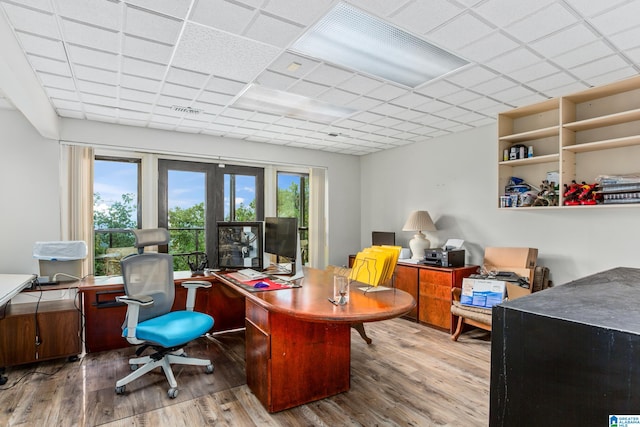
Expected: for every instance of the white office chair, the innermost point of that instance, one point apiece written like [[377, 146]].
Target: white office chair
[[149, 293]]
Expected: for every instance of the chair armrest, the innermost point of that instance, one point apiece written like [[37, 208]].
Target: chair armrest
[[192, 286], [456, 292], [134, 302], [140, 300]]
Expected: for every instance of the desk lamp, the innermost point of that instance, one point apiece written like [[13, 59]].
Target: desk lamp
[[419, 221]]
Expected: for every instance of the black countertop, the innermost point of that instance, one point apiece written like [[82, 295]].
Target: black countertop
[[609, 299]]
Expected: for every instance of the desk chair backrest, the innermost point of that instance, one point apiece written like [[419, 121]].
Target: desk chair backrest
[[148, 273]]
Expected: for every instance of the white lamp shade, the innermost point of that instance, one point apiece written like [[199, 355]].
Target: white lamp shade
[[419, 221]]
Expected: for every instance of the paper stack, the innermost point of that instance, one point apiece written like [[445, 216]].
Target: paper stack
[[375, 265]]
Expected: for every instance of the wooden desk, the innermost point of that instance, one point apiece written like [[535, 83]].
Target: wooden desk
[[36, 331], [298, 344], [104, 315]]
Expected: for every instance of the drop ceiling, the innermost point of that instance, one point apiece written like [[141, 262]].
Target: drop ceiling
[[133, 62]]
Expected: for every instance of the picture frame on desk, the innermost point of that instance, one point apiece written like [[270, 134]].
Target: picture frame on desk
[[240, 244]]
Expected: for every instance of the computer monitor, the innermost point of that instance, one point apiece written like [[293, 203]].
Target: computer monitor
[[379, 238], [281, 239], [239, 244]]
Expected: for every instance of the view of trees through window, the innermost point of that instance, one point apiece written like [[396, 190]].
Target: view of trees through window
[[293, 201], [116, 209]]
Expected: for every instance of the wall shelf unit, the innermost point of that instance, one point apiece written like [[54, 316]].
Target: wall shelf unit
[[580, 136]]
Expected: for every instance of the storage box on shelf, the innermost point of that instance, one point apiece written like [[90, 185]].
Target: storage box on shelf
[[582, 136]]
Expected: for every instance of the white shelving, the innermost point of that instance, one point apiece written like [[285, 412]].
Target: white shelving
[[564, 131]]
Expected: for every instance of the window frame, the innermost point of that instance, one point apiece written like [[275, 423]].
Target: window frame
[[214, 188]]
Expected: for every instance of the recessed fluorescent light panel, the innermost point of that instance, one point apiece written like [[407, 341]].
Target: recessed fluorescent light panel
[[349, 37], [263, 99]]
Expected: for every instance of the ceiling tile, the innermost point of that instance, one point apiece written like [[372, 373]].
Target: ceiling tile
[[592, 7], [304, 15], [214, 52], [459, 32], [308, 89], [48, 65], [105, 14], [176, 8], [471, 76], [275, 80], [542, 23], [70, 95], [56, 81], [187, 78], [364, 103], [328, 75], [41, 46], [86, 87], [95, 75], [338, 97], [513, 60], [534, 71], [137, 95], [488, 47], [146, 49], [505, 12], [423, 16], [615, 20], [301, 64], [387, 92], [381, 8], [410, 100], [106, 103], [583, 54], [564, 41], [553, 81], [273, 31], [599, 67], [141, 83], [215, 98], [438, 88], [143, 68], [90, 36], [152, 26], [96, 58], [627, 39], [223, 15], [38, 23], [610, 76], [172, 89]]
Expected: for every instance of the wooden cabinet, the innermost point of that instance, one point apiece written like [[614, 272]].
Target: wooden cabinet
[[406, 279], [579, 136], [431, 287], [434, 306], [52, 333]]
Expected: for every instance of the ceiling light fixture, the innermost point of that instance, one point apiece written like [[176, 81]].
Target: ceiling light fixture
[[268, 100], [349, 37]]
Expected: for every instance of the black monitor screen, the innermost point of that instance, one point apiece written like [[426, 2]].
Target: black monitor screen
[[281, 236], [383, 238]]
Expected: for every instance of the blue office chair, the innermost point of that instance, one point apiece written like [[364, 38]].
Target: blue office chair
[[149, 293]]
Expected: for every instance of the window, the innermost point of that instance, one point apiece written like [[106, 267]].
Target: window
[[293, 201], [193, 196], [116, 201]]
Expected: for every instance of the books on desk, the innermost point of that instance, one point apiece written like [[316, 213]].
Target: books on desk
[[247, 274], [375, 265]]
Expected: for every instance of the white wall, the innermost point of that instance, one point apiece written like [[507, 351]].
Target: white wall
[[455, 179], [30, 190]]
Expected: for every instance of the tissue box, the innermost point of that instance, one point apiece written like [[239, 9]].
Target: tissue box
[[482, 292]]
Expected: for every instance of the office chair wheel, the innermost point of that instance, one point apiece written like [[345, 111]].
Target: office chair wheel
[[172, 393], [133, 366], [121, 389], [3, 379], [209, 369]]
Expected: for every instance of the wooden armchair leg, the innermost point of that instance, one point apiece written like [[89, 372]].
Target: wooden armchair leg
[[360, 328], [458, 330]]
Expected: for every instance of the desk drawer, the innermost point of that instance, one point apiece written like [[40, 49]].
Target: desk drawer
[[258, 315]]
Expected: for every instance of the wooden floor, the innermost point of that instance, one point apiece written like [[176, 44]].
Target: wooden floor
[[411, 375]]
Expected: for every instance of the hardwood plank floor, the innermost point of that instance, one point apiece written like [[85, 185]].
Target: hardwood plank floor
[[411, 375]]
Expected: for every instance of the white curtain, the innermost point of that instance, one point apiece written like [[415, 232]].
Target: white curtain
[[318, 218], [76, 178]]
